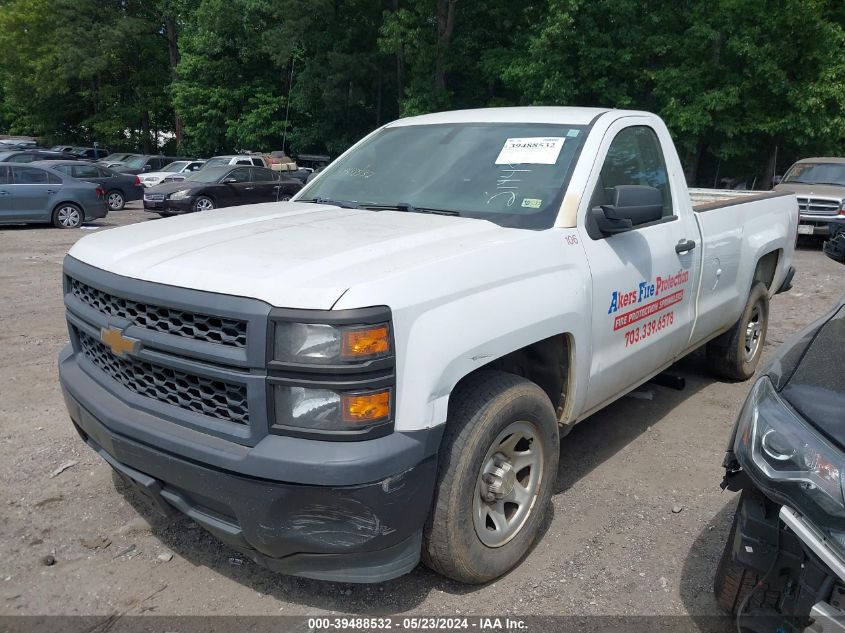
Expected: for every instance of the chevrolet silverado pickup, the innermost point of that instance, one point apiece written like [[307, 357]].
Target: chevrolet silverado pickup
[[380, 371]]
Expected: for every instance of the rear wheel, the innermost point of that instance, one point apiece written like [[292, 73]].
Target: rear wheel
[[115, 200], [203, 203], [736, 353], [497, 471], [67, 216]]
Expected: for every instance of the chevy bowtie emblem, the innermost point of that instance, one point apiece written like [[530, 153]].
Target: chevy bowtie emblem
[[120, 345]]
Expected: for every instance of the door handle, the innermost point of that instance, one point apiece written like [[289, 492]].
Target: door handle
[[4, 193], [51, 191], [684, 246]]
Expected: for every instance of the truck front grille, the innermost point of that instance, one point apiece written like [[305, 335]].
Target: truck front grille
[[200, 327], [819, 206], [214, 398]]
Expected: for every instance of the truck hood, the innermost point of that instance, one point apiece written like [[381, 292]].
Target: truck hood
[[816, 387], [825, 191], [296, 255]]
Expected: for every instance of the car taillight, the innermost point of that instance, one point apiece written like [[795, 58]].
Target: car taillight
[[137, 181], [842, 208], [101, 192]]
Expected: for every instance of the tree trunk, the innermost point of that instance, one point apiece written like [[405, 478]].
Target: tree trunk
[[445, 27], [691, 172], [771, 166], [173, 51], [400, 67]]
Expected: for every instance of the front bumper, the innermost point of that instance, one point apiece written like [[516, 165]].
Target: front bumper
[[341, 511], [814, 224]]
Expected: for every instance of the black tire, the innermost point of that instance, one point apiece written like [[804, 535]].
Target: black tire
[[728, 354], [203, 203], [481, 412], [115, 200], [734, 581], [67, 215]]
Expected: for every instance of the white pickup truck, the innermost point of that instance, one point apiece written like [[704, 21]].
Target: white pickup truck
[[381, 369]]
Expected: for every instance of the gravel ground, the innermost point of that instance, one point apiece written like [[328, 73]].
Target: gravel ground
[[613, 544]]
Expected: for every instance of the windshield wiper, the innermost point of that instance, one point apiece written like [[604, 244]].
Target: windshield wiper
[[343, 204], [406, 206]]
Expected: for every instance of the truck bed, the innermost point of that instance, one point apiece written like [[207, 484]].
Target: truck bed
[[708, 199]]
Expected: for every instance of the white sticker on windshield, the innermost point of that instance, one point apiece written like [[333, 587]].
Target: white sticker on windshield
[[533, 151]]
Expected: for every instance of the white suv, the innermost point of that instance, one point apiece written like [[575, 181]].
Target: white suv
[[177, 170]]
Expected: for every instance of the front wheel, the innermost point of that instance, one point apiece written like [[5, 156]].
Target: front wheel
[[67, 216], [498, 467], [203, 203], [115, 200]]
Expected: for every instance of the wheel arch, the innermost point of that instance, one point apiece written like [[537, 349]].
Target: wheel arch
[[547, 363]]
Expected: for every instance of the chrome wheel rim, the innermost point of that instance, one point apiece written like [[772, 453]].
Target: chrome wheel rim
[[507, 486], [204, 204], [753, 333], [69, 217], [115, 201]]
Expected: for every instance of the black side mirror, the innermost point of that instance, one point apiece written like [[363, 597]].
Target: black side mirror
[[632, 205], [228, 181]]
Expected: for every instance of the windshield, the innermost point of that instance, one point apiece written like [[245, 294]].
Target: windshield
[[217, 162], [817, 174], [135, 162], [206, 175], [512, 174], [179, 165]]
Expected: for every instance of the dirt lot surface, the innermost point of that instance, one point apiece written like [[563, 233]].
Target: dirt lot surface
[[613, 544]]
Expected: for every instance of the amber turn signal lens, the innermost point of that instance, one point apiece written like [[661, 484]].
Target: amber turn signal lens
[[366, 407], [362, 343]]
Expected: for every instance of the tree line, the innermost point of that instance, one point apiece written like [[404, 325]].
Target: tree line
[[745, 86]]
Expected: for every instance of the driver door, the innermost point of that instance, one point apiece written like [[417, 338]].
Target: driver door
[[237, 188], [642, 287]]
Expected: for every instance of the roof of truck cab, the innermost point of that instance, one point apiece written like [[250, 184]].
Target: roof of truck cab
[[530, 114]]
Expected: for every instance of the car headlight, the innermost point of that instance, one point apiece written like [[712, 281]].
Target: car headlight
[[332, 371], [180, 195], [797, 462]]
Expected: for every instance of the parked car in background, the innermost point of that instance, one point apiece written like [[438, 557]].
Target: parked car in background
[[90, 153], [819, 184], [784, 562], [29, 155], [141, 163], [119, 188], [30, 193], [177, 170], [18, 143], [224, 186], [62, 148], [236, 159]]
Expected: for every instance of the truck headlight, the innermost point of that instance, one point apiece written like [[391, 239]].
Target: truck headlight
[[180, 195], [331, 373], [322, 343], [330, 409], [797, 462]]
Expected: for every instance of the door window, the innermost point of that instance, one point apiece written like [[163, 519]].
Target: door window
[[65, 169], [634, 158], [262, 174], [85, 171], [239, 175], [242, 161], [23, 158], [258, 162], [4, 175], [29, 176]]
